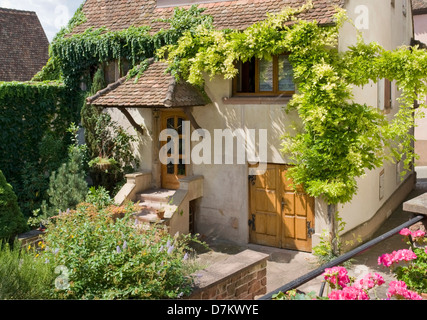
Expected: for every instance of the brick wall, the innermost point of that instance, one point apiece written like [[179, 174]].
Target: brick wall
[[240, 277]]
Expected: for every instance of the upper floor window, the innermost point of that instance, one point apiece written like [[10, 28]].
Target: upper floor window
[[264, 77], [113, 70]]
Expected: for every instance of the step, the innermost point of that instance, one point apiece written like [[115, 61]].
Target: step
[[156, 195]]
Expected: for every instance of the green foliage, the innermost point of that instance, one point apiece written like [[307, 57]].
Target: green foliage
[[99, 197], [22, 275], [330, 248], [34, 118], [52, 70], [12, 220], [67, 186], [112, 147], [340, 139], [90, 114], [106, 257], [295, 295], [414, 273]]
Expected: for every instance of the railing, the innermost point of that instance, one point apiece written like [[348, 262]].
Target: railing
[[317, 272]]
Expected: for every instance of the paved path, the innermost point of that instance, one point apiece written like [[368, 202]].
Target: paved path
[[284, 266]]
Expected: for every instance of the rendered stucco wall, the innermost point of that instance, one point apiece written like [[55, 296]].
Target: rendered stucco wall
[[222, 212], [420, 30], [391, 28]]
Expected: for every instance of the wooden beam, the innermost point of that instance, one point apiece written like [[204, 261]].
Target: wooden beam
[[190, 116], [131, 120]]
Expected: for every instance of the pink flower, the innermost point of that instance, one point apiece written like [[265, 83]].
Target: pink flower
[[349, 293], [396, 256], [405, 232], [336, 276], [418, 234], [398, 289], [369, 281]]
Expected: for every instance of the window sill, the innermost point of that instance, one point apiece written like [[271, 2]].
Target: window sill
[[256, 100]]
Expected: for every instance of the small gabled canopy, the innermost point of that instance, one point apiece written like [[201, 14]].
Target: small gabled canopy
[[154, 89], [419, 7]]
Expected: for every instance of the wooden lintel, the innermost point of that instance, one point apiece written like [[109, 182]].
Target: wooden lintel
[[131, 120]]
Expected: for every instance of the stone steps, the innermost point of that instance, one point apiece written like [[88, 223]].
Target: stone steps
[[154, 203]]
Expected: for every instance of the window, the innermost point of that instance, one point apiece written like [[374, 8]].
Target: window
[[385, 95], [264, 77], [113, 71]]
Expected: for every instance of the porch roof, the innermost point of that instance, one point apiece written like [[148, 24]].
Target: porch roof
[[154, 89], [419, 6]]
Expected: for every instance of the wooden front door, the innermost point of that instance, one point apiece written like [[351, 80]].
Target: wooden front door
[[279, 216], [172, 172]]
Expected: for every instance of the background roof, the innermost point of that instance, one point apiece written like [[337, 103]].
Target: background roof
[[24, 48]]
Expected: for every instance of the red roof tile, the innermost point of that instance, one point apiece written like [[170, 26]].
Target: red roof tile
[[154, 88], [24, 47], [233, 14]]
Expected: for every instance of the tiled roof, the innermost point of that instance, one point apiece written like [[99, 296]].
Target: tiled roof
[[233, 14], [419, 6], [154, 88], [24, 47]]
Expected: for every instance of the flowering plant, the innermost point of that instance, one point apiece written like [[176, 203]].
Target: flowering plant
[[347, 288], [409, 265], [107, 254]]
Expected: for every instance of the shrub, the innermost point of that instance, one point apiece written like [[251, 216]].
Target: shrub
[[12, 220], [105, 254], [99, 197], [22, 275]]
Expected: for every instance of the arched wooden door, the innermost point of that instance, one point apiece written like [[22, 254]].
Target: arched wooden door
[[279, 216], [172, 172]]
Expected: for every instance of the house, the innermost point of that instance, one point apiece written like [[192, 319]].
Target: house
[[223, 199], [24, 48], [419, 11]]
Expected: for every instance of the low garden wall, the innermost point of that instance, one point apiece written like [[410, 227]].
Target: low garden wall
[[240, 277]]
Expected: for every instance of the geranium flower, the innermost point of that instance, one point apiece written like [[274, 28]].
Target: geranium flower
[[349, 293], [398, 289], [405, 232], [396, 256], [418, 234], [337, 276], [369, 281]]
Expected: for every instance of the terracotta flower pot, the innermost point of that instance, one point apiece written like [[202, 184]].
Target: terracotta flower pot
[[424, 295], [161, 213]]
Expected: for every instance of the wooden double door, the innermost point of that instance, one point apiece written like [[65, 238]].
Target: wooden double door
[[279, 216]]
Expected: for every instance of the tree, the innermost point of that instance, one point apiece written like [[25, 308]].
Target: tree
[[12, 221], [67, 186]]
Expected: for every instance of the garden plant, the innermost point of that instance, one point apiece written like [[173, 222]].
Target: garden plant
[[409, 267], [102, 252]]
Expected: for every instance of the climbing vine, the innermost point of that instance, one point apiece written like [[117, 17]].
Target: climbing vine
[[35, 116], [340, 139]]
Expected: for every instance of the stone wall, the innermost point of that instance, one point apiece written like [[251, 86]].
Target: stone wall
[[240, 277]]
